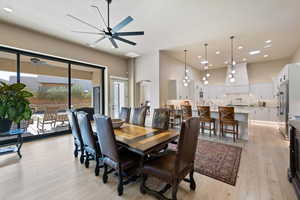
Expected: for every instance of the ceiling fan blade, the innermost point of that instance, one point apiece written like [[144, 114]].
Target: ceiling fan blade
[[97, 41], [90, 25], [124, 40], [102, 18], [129, 33], [122, 24], [93, 33], [113, 42]]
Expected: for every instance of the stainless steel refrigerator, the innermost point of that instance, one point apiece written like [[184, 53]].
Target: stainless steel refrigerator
[[283, 108]]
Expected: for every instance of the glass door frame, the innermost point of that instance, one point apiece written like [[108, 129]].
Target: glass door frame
[[126, 92], [69, 62]]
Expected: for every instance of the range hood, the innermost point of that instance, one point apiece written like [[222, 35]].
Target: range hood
[[241, 84]]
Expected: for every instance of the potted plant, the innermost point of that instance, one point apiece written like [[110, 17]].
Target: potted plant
[[14, 104]]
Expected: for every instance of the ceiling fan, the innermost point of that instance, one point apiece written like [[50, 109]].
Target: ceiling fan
[[111, 33]]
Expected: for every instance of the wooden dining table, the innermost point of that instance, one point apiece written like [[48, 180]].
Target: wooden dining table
[[142, 140]]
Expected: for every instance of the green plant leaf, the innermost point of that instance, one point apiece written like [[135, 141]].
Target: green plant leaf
[[17, 86]]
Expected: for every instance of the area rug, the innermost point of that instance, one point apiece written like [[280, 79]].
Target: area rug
[[218, 161]]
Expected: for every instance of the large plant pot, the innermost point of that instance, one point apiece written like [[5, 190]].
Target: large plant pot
[[5, 125]]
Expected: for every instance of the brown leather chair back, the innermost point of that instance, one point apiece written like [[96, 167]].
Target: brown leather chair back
[[139, 116], [161, 118], [186, 111], [106, 137], [187, 145], [86, 131], [226, 113], [125, 114], [204, 112], [73, 122]]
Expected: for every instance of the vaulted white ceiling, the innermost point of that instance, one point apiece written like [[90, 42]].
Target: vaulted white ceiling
[[172, 25]]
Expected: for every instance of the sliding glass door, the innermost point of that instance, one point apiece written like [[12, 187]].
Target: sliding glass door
[[57, 83], [48, 81]]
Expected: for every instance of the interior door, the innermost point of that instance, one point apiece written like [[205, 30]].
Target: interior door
[[118, 96]]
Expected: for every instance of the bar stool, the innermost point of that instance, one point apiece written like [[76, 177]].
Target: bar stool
[[175, 116], [204, 117], [226, 117], [186, 111]]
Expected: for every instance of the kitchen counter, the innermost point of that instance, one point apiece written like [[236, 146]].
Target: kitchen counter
[[295, 123]]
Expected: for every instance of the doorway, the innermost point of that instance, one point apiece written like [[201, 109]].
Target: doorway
[[118, 95]]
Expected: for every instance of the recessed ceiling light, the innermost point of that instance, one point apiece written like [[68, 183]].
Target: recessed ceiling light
[[240, 47], [210, 65], [266, 55], [244, 59], [204, 62], [8, 9], [199, 56], [268, 41], [268, 46], [226, 62], [254, 52], [218, 52]]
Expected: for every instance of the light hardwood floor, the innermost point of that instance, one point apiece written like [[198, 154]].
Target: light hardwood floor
[[48, 170]]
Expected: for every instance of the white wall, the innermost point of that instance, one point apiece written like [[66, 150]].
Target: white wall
[[147, 69], [23, 38]]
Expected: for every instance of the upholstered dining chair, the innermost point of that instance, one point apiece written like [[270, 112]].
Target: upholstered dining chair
[[186, 111], [91, 148], [173, 167], [125, 114], [227, 120], [161, 118], [89, 110], [78, 142], [118, 159], [205, 118], [139, 116]]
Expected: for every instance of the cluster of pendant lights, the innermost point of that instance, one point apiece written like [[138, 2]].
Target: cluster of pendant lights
[[207, 75], [205, 78], [186, 78], [232, 63]]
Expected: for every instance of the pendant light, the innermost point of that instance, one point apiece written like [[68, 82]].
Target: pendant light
[[232, 64], [207, 74], [186, 78]]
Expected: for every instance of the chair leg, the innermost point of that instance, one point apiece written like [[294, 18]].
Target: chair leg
[[97, 168], [237, 131], [233, 127], [142, 186], [192, 181], [76, 151], [215, 128], [82, 156], [209, 129], [174, 189], [105, 176], [87, 162], [120, 184]]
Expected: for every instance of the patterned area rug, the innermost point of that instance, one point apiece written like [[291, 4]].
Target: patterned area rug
[[218, 161]]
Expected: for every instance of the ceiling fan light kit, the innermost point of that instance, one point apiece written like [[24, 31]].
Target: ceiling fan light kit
[[109, 33]]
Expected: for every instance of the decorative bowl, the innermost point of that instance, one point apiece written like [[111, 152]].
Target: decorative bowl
[[117, 123]]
